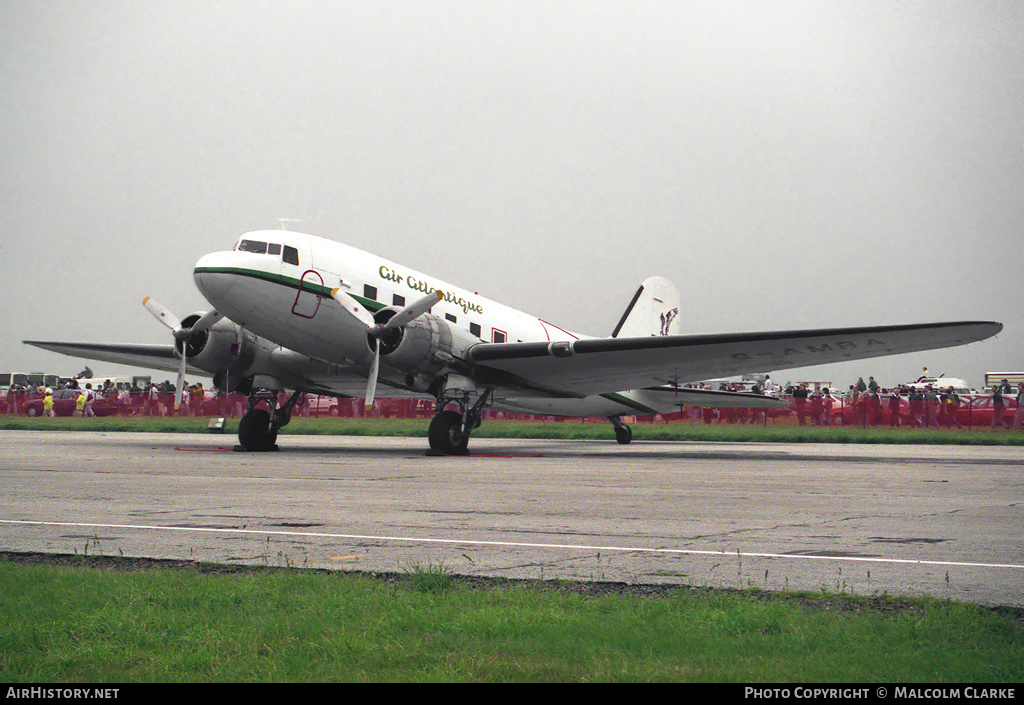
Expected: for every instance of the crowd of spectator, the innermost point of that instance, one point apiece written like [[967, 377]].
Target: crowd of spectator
[[864, 403], [124, 399]]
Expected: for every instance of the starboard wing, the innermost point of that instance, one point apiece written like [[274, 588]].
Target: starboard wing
[[578, 368]]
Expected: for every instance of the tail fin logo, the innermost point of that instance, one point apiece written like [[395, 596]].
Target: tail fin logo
[[666, 319]]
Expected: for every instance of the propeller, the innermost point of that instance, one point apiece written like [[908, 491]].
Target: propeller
[[162, 314], [378, 330]]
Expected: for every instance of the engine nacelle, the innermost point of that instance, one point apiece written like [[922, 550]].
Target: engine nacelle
[[422, 348], [225, 350]]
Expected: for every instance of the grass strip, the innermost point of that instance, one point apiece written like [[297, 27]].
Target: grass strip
[[567, 430], [88, 623]]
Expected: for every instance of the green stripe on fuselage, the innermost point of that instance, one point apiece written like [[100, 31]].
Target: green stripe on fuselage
[[290, 282]]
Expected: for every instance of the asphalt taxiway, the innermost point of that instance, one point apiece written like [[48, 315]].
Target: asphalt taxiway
[[908, 520]]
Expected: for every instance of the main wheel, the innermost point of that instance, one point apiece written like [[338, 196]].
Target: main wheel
[[445, 433], [255, 431]]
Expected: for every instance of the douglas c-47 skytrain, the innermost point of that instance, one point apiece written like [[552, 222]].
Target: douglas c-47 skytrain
[[302, 313]]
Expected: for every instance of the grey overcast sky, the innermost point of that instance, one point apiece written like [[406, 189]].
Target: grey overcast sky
[[786, 164]]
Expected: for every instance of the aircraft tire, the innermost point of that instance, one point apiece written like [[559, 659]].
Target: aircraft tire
[[254, 431], [624, 434], [445, 433]]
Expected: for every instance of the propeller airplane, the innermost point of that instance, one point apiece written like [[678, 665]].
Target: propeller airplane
[[310, 315]]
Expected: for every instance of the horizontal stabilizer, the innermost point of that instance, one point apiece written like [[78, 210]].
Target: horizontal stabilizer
[[717, 398]]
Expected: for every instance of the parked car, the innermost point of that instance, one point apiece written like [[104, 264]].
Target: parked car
[[327, 406], [64, 404], [979, 412], [846, 413]]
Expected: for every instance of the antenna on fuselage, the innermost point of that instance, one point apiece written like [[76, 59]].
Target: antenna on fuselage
[[284, 222]]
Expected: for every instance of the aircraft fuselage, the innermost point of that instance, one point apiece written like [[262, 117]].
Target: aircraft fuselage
[[277, 284]]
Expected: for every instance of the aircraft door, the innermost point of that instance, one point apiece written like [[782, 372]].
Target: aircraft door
[[307, 298], [297, 264]]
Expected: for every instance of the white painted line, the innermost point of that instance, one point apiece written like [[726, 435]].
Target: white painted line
[[513, 544]]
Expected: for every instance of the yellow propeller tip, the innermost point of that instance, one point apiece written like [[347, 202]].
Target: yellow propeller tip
[[145, 300]]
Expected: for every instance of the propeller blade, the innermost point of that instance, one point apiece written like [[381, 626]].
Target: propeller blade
[[355, 309], [402, 318], [414, 310], [206, 321], [162, 314], [371, 382], [181, 379]]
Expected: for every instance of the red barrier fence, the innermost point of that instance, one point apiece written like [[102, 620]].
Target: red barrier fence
[[939, 411]]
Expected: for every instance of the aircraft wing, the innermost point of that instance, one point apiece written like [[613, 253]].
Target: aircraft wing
[[153, 357], [578, 368], [165, 357]]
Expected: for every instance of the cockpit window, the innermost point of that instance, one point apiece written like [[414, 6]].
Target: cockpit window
[[253, 246], [273, 249], [290, 256]]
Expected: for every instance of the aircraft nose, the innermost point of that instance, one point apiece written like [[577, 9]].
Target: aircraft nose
[[209, 274]]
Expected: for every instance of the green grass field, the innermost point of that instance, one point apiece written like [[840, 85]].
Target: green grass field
[[570, 429], [94, 624]]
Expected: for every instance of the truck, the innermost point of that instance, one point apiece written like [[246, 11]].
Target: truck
[[994, 378]]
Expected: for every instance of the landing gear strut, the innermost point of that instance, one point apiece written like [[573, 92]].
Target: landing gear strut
[[623, 433], [449, 429], [257, 430]]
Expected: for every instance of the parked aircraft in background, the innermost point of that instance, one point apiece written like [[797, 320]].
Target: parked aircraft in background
[[303, 313]]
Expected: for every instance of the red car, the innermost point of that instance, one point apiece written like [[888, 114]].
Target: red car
[[846, 413], [64, 401], [979, 413]]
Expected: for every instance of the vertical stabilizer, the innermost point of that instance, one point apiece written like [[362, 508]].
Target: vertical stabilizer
[[654, 310]]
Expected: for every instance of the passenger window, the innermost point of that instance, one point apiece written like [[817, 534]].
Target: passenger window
[[273, 249], [370, 292], [498, 336], [397, 300], [290, 256], [474, 328], [451, 317]]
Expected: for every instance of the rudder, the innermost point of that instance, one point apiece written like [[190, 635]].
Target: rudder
[[654, 310]]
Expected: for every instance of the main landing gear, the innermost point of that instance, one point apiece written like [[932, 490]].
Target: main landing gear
[[449, 429], [623, 433], [257, 430]]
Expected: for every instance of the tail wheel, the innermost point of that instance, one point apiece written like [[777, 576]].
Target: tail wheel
[[446, 434], [623, 434]]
